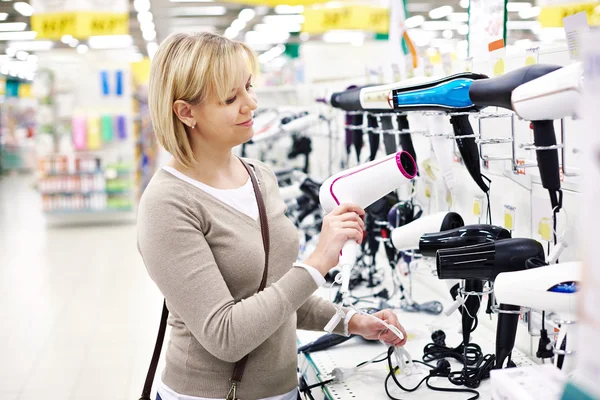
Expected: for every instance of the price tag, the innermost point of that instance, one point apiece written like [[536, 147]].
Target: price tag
[[498, 52], [477, 206], [575, 26], [545, 229], [509, 217]]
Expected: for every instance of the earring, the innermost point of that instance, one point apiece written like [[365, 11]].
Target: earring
[[193, 124]]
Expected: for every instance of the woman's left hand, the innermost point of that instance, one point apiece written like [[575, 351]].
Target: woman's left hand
[[371, 329]]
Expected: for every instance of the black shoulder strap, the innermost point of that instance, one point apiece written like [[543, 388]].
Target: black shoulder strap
[[157, 349]]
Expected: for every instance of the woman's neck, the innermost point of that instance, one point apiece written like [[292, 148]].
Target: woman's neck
[[219, 169]]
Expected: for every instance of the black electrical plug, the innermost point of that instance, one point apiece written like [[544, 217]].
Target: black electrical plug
[[439, 337], [442, 368], [544, 349]]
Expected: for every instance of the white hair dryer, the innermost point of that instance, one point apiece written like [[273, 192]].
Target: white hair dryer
[[407, 237], [551, 288], [363, 185], [552, 96]]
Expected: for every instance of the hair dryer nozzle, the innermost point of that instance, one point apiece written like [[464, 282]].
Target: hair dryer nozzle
[[485, 261], [463, 236]]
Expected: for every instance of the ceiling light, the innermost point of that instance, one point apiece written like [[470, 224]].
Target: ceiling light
[[13, 26], [21, 55], [253, 37], [82, 49], [151, 49], [66, 39], [285, 9], [458, 17], [531, 12], [3, 16], [110, 42], [277, 28], [11, 51], [415, 21], [238, 24], [147, 26], [247, 14], [193, 11], [26, 35], [342, 36], [32, 58], [463, 29], [284, 19], [516, 7], [521, 25], [448, 34], [464, 3], [23, 8], [73, 42], [231, 33], [33, 45], [145, 16], [440, 12], [141, 5], [149, 35], [437, 25]]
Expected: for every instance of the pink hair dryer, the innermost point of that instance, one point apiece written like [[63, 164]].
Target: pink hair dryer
[[363, 185]]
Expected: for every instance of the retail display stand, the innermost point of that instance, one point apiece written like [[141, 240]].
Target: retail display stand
[[88, 176]]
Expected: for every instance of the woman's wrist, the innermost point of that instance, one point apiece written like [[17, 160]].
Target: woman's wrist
[[313, 261], [354, 324]]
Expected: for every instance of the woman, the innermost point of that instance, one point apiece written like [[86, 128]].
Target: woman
[[201, 242]]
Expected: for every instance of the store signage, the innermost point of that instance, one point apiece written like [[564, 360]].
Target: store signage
[[320, 20], [81, 19], [551, 16], [487, 23]]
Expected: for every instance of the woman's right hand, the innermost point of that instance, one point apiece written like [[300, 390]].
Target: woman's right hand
[[340, 225]]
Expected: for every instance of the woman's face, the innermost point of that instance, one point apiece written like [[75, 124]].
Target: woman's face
[[229, 124]]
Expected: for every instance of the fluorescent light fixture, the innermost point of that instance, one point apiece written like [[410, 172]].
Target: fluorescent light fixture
[[238, 24], [266, 28], [458, 17], [21, 55], [531, 12], [418, 7], [145, 16], [272, 53], [110, 42], [194, 11], [147, 26], [66, 39], [3, 16], [231, 33], [342, 36], [521, 25], [253, 37], [26, 35], [82, 49], [283, 19], [33, 45], [141, 5], [285, 9], [247, 14], [438, 25], [73, 42], [136, 57], [516, 7], [448, 34], [463, 29], [23, 8], [440, 12], [32, 58], [464, 3], [421, 37], [13, 26], [415, 21], [151, 49], [149, 35]]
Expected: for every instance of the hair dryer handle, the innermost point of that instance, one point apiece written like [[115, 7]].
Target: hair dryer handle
[[347, 259], [543, 135]]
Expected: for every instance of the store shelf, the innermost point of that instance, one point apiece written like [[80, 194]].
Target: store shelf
[[90, 192]]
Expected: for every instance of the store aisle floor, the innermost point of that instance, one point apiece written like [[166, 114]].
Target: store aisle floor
[[79, 313]]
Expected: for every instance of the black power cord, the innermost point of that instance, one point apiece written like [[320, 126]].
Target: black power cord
[[468, 355], [441, 369]]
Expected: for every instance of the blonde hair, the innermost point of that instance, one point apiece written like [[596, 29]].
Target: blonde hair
[[191, 67]]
